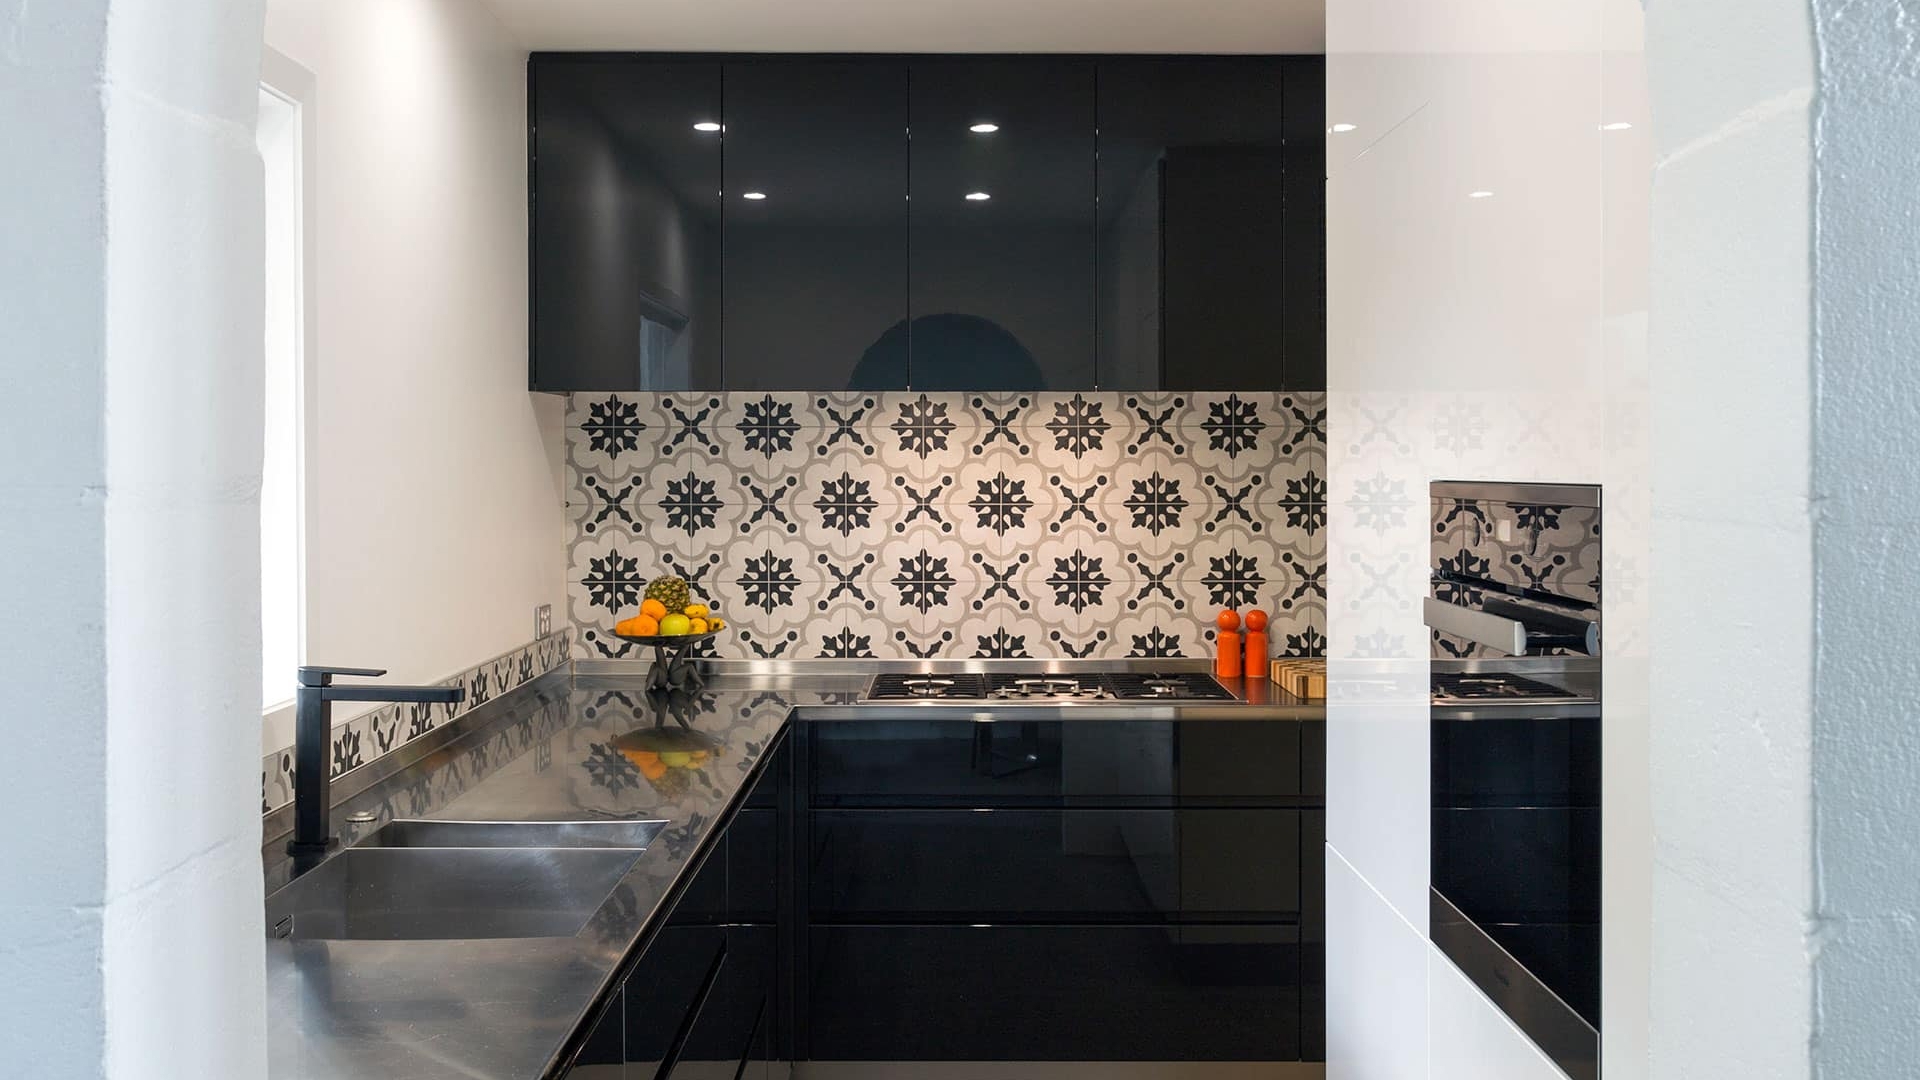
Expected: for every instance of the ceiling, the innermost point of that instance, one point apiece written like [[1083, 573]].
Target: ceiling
[[1119, 26]]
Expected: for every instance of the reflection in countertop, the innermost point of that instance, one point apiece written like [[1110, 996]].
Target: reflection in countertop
[[560, 748]]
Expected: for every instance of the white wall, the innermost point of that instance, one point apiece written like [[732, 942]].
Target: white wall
[[436, 524], [1730, 670], [130, 301], [1496, 338]]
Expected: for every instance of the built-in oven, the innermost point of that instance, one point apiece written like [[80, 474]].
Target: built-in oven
[[1514, 612]]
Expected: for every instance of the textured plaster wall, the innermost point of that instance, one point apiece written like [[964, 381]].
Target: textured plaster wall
[[1866, 547], [1730, 674], [52, 531], [128, 516]]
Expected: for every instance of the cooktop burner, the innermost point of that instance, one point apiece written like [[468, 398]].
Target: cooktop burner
[[1048, 687], [1496, 686], [1168, 685], [924, 687]]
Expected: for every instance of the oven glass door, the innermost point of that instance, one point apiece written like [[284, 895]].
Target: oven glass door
[[1516, 863]]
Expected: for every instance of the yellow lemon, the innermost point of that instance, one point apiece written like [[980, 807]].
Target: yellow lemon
[[696, 611], [696, 626]]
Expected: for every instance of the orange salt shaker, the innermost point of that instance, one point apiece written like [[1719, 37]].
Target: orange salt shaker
[[1226, 663], [1257, 642]]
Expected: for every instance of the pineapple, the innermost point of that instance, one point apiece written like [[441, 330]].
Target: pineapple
[[670, 591]]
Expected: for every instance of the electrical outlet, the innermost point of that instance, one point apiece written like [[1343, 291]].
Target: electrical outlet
[[543, 620]]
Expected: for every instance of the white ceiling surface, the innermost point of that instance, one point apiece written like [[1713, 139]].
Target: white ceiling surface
[[1152, 26]]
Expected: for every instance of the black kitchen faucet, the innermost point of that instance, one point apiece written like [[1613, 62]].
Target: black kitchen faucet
[[312, 738]]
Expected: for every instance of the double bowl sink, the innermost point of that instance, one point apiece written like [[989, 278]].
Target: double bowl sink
[[426, 880]]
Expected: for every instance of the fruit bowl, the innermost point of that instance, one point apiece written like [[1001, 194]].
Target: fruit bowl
[[669, 641], [672, 667]]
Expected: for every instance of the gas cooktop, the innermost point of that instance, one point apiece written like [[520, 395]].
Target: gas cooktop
[[1047, 688], [1496, 686]]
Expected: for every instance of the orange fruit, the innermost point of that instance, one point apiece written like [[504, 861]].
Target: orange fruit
[[653, 609], [644, 626]]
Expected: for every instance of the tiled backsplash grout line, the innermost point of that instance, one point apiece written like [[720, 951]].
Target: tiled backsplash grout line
[[902, 524]]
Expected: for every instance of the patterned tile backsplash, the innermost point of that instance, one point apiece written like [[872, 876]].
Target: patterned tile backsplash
[[373, 735], [900, 524]]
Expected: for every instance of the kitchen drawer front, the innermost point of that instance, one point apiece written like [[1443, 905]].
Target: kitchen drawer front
[[1313, 935], [1054, 994], [753, 866], [666, 987], [1055, 866], [725, 1033], [1080, 763]]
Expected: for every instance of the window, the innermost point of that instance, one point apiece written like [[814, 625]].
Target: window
[[282, 600]]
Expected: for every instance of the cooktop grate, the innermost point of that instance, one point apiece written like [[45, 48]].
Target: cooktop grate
[[927, 687]]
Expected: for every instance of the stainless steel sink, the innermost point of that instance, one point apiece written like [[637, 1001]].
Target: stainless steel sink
[[427, 833], [456, 880]]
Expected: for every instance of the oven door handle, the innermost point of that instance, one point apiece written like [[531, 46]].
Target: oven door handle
[[1509, 635]]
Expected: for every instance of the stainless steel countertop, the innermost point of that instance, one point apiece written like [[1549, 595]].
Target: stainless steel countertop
[[502, 1009]]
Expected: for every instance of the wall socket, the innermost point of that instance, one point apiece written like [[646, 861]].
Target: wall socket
[[543, 620]]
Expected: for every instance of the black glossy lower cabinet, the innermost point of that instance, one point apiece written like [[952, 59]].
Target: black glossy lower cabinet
[[1047, 891], [1054, 993]]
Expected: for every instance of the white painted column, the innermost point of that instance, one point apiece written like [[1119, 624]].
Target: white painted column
[[128, 521]]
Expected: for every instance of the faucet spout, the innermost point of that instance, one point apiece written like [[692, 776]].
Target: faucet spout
[[312, 742]]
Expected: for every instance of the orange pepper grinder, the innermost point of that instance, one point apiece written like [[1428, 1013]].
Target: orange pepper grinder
[[1257, 642], [1226, 663]]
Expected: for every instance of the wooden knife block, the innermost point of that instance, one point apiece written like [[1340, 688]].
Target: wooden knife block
[[1301, 678]]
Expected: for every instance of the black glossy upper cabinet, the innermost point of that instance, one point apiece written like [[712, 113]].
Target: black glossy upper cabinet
[[1209, 270], [1001, 244], [815, 241], [625, 174], [807, 222]]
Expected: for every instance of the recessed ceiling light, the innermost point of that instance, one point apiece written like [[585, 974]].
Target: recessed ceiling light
[[1470, 195], [1341, 129], [706, 125], [978, 196], [754, 196], [1617, 125], [985, 127]]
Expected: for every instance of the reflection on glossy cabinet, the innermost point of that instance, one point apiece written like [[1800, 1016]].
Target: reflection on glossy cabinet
[[1001, 245], [1210, 216], [625, 238], [815, 245]]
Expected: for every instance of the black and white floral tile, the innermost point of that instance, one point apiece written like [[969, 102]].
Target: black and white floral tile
[[900, 524], [370, 736]]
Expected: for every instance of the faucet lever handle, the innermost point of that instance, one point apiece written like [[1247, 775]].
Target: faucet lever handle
[[323, 676]]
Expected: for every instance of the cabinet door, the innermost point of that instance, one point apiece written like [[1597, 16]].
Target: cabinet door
[[726, 1033], [669, 983], [1303, 283], [1000, 993], [626, 224], [815, 243], [1055, 867], [1194, 245], [1002, 224]]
